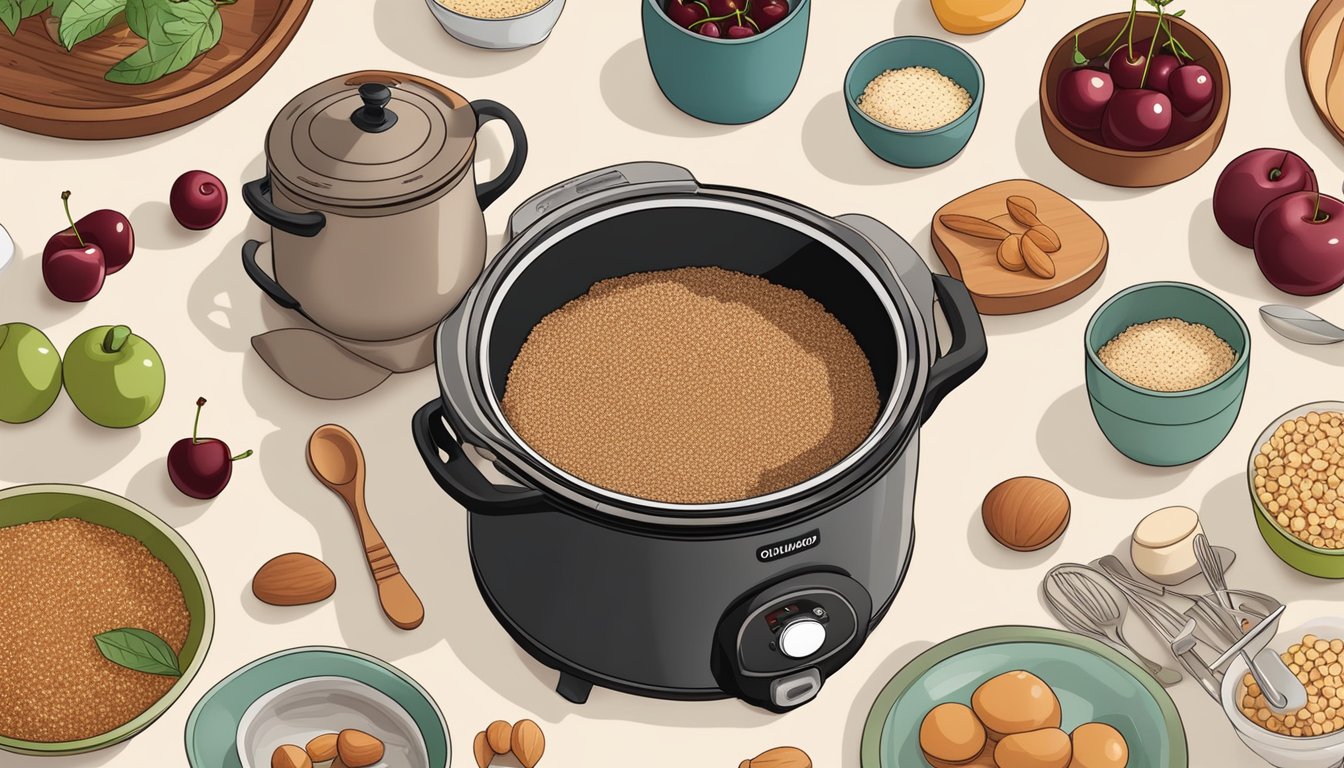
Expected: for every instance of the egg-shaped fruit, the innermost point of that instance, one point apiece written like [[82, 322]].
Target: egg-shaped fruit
[[1044, 748], [1015, 702], [1097, 745], [951, 735]]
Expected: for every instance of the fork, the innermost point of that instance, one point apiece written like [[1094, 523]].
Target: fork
[[1108, 618], [1066, 611]]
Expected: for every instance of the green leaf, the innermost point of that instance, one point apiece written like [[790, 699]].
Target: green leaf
[[176, 36], [29, 8], [84, 19], [140, 650], [10, 15], [1179, 13]]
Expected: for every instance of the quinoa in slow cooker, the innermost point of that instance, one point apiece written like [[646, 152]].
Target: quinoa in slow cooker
[[691, 386]]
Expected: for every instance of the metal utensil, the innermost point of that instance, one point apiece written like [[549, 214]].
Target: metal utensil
[[1101, 618], [1073, 617], [1201, 608], [1300, 325], [1176, 630]]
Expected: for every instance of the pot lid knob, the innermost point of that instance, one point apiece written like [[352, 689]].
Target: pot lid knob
[[374, 116]]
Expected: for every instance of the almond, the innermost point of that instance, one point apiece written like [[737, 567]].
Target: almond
[[499, 735], [290, 756], [293, 579], [358, 749], [1044, 237], [528, 743], [1025, 513], [973, 226], [1037, 260], [1010, 254], [779, 757], [481, 748], [1023, 210], [322, 749]]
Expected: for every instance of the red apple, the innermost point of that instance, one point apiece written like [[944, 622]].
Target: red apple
[[1253, 181], [1299, 243], [198, 200]]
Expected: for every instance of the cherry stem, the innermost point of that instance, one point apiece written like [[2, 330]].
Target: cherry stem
[[1276, 174], [241, 456], [65, 198], [1152, 48], [1317, 217], [200, 401]]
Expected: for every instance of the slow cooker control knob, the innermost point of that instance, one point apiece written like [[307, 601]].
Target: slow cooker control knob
[[802, 638]]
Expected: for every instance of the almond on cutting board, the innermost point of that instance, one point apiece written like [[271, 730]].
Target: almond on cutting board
[[1044, 237], [1038, 261], [974, 260], [1009, 254], [293, 579]]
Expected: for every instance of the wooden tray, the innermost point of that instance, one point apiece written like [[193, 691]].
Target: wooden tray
[[996, 291], [1323, 62], [45, 89]]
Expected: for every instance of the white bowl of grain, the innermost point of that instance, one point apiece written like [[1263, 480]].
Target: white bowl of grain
[[500, 25]]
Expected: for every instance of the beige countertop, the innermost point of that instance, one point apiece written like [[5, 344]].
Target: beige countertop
[[588, 100]]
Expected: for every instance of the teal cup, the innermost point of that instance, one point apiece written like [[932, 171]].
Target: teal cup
[[915, 149], [1165, 429], [726, 81]]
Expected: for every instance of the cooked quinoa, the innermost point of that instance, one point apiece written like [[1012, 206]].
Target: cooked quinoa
[[492, 9], [62, 582], [914, 99], [1168, 355]]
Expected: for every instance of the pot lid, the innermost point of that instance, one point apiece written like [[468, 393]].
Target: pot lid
[[371, 139]]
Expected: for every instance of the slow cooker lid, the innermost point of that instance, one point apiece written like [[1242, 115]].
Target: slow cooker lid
[[349, 142]]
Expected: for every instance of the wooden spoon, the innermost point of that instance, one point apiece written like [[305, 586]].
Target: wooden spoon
[[336, 459]]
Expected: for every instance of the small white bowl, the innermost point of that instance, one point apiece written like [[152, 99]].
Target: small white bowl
[[305, 709], [506, 34], [1284, 751]]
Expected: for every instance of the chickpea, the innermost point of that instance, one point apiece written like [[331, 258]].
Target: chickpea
[[1317, 664]]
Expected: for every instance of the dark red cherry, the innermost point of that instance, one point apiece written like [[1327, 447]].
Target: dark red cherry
[[1136, 119], [684, 13], [1126, 66], [1191, 89], [768, 13], [739, 31], [709, 29], [1082, 97]]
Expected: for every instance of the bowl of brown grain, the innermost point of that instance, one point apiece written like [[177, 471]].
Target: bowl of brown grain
[[105, 617]]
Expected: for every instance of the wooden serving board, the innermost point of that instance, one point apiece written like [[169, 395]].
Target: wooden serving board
[[1078, 263], [45, 89], [1323, 62]]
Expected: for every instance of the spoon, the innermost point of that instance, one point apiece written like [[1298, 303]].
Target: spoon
[[336, 459], [1300, 325]]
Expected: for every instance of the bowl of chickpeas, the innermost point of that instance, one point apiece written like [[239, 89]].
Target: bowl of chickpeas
[[1296, 476], [1312, 737]]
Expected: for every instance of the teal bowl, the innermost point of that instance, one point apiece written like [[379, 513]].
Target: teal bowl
[[1093, 683], [1165, 429], [32, 503], [726, 81], [212, 728], [915, 149]]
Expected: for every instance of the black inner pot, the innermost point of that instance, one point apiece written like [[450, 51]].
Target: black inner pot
[[673, 236]]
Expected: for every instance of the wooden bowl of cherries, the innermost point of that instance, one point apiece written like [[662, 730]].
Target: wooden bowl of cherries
[[1135, 99]]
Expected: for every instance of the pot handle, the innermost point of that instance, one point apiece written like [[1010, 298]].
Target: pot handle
[[487, 110], [458, 476], [969, 345], [265, 282], [677, 178], [257, 195]]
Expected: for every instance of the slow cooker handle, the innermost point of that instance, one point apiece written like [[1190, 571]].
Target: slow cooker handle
[[486, 111], [458, 476], [257, 195], [969, 345]]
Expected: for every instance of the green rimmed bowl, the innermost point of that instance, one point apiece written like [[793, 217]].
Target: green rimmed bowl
[[212, 728], [34, 503], [1165, 429], [1093, 682], [1313, 561]]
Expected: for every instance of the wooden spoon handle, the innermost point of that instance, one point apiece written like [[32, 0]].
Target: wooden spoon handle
[[400, 603]]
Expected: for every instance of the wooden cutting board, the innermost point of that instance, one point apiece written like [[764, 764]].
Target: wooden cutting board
[[1323, 62], [1078, 263], [45, 89]]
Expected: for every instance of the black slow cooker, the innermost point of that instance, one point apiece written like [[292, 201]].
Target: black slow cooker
[[763, 598]]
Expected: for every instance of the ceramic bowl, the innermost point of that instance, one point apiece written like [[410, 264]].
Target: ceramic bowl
[[505, 34], [299, 712], [1093, 682], [1314, 561], [1165, 429], [1184, 151], [914, 149], [31, 503], [726, 81], [237, 713], [1283, 751]]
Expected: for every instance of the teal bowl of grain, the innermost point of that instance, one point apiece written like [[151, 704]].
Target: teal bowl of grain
[[1167, 428], [107, 563], [929, 131]]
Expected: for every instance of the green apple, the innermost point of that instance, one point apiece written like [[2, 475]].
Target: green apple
[[115, 378], [30, 373]]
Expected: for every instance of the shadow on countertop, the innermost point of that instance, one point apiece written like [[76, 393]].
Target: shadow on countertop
[[633, 95], [410, 29], [863, 703], [837, 152]]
